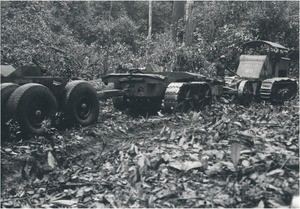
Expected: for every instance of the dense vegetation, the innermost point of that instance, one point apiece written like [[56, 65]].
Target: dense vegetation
[[93, 37]]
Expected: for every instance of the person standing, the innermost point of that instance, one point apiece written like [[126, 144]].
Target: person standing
[[220, 66]]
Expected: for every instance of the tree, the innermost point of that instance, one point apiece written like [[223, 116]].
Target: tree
[[150, 20], [177, 15], [189, 28]]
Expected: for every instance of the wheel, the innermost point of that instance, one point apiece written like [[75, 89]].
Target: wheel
[[80, 103], [283, 91], [245, 92], [6, 90], [204, 96], [185, 101], [257, 92], [194, 97], [30, 105]]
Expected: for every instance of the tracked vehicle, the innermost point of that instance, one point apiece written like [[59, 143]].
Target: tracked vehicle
[[151, 91], [262, 74], [30, 97]]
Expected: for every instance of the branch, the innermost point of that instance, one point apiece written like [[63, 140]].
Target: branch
[[57, 49]]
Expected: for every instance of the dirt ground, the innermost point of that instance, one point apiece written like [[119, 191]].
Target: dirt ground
[[224, 156]]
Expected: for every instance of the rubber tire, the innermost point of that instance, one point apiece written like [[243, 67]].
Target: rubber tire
[[6, 90], [73, 92], [241, 97], [22, 99]]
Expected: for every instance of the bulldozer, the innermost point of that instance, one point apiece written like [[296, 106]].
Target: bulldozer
[[262, 74], [149, 91], [30, 97]]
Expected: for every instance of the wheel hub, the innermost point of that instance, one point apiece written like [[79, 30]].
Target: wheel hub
[[38, 113], [84, 106]]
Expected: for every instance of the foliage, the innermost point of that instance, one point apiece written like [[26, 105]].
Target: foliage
[[83, 38]]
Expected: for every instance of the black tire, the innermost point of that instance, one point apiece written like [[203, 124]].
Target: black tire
[[257, 93], [30, 105], [6, 90], [245, 93], [80, 103]]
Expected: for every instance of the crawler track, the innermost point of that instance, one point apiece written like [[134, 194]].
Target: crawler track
[[183, 96], [278, 90]]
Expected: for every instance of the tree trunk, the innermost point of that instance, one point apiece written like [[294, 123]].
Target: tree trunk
[[150, 19], [177, 14], [105, 61], [189, 27]]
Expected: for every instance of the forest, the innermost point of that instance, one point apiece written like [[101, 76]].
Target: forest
[[226, 155], [90, 38]]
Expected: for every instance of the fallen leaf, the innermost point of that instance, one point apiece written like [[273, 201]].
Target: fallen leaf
[[150, 201], [8, 203], [261, 204], [229, 166], [275, 204], [185, 166], [235, 153], [110, 198], [182, 141], [80, 192], [51, 160], [177, 165], [173, 135], [238, 123], [163, 130], [67, 203], [219, 155], [195, 116], [97, 205], [78, 137], [87, 199], [276, 171], [246, 133], [188, 165], [143, 160], [188, 193], [164, 193], [246, 163], [221, 199], [214, 169]]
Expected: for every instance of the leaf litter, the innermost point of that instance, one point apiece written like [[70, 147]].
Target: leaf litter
[[224, 156]]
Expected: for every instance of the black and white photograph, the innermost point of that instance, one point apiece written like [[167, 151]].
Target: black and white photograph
[[149, 104]]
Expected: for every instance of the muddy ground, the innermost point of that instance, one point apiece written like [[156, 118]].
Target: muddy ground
[[224, 156]]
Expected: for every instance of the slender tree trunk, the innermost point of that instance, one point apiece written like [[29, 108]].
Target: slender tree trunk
[[150, 19], [105, 61], [189, 27], [177, 14]]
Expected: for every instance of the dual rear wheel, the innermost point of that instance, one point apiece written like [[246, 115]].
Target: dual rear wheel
[[30, 105], [33, 103]]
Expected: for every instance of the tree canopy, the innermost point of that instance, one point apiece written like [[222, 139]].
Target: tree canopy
[[83, 35]]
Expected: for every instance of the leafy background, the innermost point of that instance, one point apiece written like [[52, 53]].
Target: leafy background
[[91, 37]]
